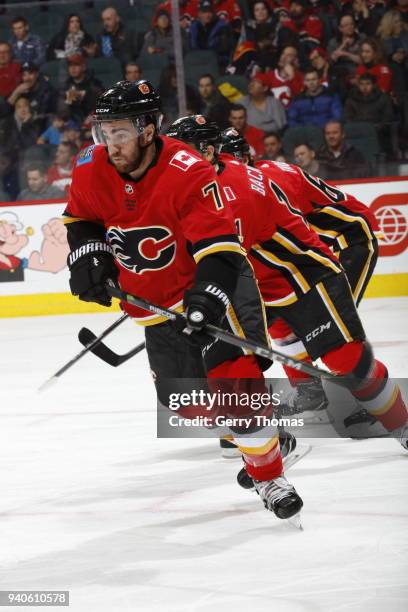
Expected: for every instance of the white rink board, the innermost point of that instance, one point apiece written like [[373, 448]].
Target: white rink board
[[35, 215]]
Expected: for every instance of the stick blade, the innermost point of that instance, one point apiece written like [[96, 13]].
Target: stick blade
[[86, 336], [51, 382]]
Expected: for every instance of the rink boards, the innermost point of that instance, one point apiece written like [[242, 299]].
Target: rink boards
[[34, 277]]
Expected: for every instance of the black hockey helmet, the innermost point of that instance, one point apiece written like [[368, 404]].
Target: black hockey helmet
[[232, 142], [139, 102], [197, 130]]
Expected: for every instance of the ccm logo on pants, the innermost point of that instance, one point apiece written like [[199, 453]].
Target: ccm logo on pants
[[318, 330]]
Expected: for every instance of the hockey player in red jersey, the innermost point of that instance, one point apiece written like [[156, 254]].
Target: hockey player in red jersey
[[147, 212], [308, 307]]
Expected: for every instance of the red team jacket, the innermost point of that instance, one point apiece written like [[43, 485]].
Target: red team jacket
[[160, 226], [287, 256]]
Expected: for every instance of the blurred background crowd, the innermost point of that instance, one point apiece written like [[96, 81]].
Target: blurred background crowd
[[318, 83]]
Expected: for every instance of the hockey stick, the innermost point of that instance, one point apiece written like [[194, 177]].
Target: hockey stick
[[223, 335], [54, 379], [87, 337]]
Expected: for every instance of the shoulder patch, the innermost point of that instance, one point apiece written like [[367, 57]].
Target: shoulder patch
[[85, 156], [183, 160]]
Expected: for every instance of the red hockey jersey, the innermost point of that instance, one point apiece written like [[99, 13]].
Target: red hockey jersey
[[188, 10], [339, 218], [160, 226], [287, 255], [283, 89]]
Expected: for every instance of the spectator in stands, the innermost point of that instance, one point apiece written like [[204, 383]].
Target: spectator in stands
[[26, 47], [53, 134], [188, 10], [133, 72], [10, 71], [340, 159], [394, 37], [79, 94], [318, 60], [168, 93], [372, 63], [301, 29], [402, 7], [60, 173], [263, 110], [316, 105], [286, 80], [38, 187], [230, 11], [116, 40], [238, 119], [71, 40], [38, 90], [213, 105], [21, 130], [344, 53], [261, 28], [369, 104], [305, 157], [210, 32], [273, 147], [159, 40], [366, 14], [72, 134]]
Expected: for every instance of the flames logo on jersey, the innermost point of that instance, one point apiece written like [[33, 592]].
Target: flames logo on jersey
[[142, 249]]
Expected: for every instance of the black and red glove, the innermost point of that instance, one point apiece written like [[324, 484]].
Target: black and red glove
[[92, 265], [205, 303]]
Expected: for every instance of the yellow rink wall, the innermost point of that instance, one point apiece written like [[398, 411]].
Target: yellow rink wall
[[40, 263]]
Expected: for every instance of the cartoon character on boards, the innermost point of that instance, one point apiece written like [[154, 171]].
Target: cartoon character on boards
[[54, 248]]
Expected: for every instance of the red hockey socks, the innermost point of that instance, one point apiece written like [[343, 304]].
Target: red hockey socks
[[376, 392]]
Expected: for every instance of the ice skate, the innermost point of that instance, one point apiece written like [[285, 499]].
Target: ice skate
[[305, 396], [279, 496], [287, 444], [401, 435], [229, 450]]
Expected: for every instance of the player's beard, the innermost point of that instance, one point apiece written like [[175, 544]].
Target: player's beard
[[125, 164]]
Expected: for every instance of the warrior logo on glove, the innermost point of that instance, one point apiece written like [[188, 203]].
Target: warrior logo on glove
[[142, 249]]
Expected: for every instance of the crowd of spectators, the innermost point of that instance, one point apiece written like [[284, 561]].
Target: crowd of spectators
[[292, 76]]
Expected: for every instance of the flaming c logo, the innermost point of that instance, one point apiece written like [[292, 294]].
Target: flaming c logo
[[390, 213]]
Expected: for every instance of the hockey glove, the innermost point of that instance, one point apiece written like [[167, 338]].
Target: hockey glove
[[92, 266], [204, 303]]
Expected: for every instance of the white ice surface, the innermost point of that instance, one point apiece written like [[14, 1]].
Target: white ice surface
[[92, 502]]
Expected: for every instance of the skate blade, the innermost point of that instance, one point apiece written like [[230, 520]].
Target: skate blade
[[295, 521]]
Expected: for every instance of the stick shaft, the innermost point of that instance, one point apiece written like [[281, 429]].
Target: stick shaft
[[223, 335], [90, 346]]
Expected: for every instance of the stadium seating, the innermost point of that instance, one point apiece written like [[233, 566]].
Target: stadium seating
[[106, 69], [363, 136], [56, 71], [197, 63]]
